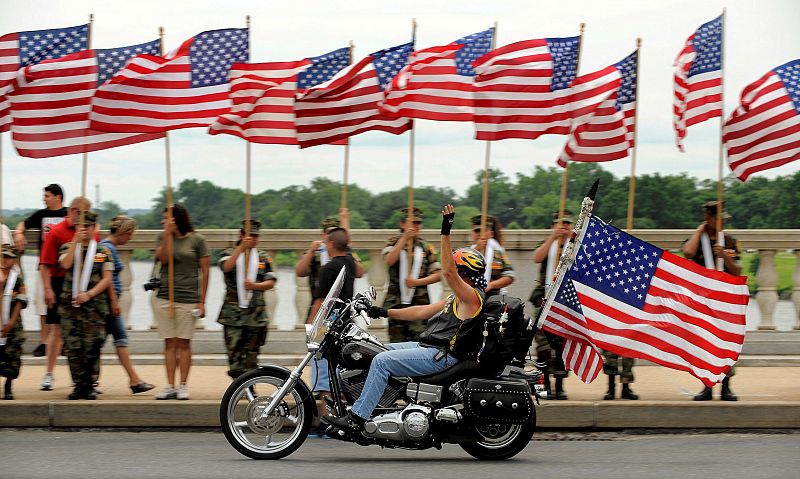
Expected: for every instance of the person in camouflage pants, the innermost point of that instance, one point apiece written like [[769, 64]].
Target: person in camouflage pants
[[11, 327], [245, 321], [83, 317], [396, 246], [615, 365]]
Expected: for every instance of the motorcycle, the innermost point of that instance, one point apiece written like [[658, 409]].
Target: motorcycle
[[267, 413]]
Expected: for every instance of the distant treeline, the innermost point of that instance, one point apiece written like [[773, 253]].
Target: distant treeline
[[525, 201]]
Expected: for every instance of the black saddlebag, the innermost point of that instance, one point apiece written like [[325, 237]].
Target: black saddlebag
[[493, 401]]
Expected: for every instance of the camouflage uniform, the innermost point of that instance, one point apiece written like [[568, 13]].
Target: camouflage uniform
[[548, 346], [400, 331], [245, 329], [84, 327], [611, 366], [11, 353]]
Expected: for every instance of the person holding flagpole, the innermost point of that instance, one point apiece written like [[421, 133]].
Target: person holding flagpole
[[244, 311], [702, 248], [409, 286], [499, 272]]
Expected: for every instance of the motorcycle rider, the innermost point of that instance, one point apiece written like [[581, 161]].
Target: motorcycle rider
[[464, 272]]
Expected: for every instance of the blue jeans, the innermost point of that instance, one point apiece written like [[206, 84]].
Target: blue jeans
[[403, 359], [115, 326], [320, 380]]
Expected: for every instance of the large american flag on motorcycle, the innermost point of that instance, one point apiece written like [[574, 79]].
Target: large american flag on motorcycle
[[438, 82], [21, 49], [698, 79], [187, 88], [764, 131], [263, 96], [634, 299]]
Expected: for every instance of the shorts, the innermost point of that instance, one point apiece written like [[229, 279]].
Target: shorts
[[115, 326], [57, 282], [41, 307], [181, 326]]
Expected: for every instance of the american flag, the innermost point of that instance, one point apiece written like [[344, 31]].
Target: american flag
[[764, 131], [698, 79], [608, 132], [521, 89], [438, 82], [50, 103], [347, 104], [631, 298], [187, 88], [263, 96], [22, 49]]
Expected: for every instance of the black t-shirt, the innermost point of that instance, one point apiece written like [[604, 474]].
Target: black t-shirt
[[44, 220], [329, 272]]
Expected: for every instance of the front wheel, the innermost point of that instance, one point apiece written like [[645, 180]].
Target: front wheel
[[265, 437], [500, 441]]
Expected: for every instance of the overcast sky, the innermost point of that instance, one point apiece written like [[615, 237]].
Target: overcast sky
[[760, 35]]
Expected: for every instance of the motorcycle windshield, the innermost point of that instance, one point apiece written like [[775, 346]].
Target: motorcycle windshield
[[317, 332]]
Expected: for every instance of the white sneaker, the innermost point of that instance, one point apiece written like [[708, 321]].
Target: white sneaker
[[47, 382], [182, 393], [168, 393]]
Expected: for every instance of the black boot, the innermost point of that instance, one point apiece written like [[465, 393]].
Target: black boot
[[78, 392], [627, 393], [560, 394], [704, 395], [612, 386], [7, 394], [348, 422], [727, 394]]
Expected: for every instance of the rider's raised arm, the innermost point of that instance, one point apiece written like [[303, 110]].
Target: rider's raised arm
[[470, 301]]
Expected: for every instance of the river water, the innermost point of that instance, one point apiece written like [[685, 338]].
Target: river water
[[286, 316]]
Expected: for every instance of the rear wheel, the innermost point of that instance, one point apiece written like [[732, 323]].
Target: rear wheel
[[500, 441], [265, 437]]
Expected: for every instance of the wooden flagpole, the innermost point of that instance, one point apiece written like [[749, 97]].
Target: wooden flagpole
[[720, 187], [632, 180], [411, 153], [486, 160], [346, 173], [168, 239], [562, 203]]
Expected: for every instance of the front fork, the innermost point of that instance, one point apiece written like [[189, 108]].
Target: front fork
[[294, 376]]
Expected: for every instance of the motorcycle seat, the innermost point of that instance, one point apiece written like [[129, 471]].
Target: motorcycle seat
[[461, 370]]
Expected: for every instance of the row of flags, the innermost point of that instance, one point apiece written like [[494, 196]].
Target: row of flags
[[59, 97]]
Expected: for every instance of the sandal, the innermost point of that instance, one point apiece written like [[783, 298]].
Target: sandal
[[141, 388]]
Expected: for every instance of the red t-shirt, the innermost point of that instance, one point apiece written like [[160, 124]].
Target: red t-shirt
[[60, 234]]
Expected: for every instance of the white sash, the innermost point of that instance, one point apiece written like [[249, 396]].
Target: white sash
[[83, 285], [491, 246], [324, 257], [252, 271], [708, 254], [8, 291], [406, 293], [551, 264]]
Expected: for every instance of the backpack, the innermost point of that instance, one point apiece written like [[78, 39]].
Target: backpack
[[501, 336]]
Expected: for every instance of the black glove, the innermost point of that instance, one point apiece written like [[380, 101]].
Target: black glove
[[376, 312], [447, 223]]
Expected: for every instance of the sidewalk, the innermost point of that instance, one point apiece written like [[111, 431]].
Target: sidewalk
[[769, 397]]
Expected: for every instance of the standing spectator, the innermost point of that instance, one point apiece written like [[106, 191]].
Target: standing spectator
[[317, 255], [43, 220], [248, 273], [702, 248], [122, 229], [499, 272], [83, 304], [190, 262], [550, 346], [615, 365], [409, 288], [53, 279], [14, 300]]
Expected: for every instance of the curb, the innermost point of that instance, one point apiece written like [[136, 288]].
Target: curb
[[563, 415]]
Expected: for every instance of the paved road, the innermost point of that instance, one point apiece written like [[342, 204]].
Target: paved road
[[198, 455]]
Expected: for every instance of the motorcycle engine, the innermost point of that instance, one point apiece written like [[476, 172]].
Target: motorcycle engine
[[353, 383], [410, 424]]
